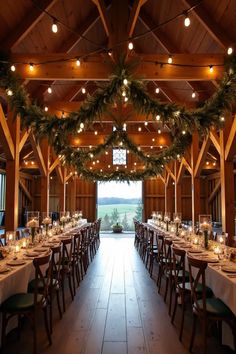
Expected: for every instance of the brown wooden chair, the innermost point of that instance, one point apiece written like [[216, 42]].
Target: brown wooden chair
[[29, 304], [160, 258], [206, 309], [151, 252], [77, 259], [66, 268]]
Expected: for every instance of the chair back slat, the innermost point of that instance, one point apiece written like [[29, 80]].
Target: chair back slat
[[179, 267], [42, 266]]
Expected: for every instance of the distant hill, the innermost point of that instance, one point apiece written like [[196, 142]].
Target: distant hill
[[114, 200]]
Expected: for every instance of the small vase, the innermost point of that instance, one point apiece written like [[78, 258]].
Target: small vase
[[205, 233]]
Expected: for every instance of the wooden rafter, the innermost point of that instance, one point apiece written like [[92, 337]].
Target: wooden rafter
[[215, 140], [134, 15], [54, 165], [5, 137], [38, 155], [24, 137], [214, 192], [99, 70], [187, 166], [26, 25], [230, 148], [170, 173], [25, 190], [103, 14], [209, 24], [180, 172], [202, 156], [59, 173]]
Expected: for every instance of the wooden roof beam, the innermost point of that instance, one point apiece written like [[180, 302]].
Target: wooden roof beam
[[214, 192], [103, 14], [230, 148], [215, 140], [202, 156], [38, 155], [25, 190], [24, 137], [209, 24], [6, 137], [133, 17], [96, 69], [26, 25]]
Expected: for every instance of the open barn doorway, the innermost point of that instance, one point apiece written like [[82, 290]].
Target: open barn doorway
[[118, 203]]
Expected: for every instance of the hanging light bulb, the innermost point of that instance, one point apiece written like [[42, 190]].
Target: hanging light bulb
[[157, 90], [159, 131], [158, 117], [229, 50], [211, 68], [81, 125], [31, 67], [49, 90], [193, 94], [13, 68], [187, 20], [9, 92], [95, 133], [139, 129], [183, 132], [54, 26], [130, 46], [46, 108], [125, 82], [83, 90], [109, 53], [170, 60], [146, 123], [123, 93], [126, 99], [78, 62]]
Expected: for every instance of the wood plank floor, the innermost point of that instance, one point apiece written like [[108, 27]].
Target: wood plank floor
[[117, 310]]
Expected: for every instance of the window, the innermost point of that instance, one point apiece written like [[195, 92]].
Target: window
[[2, 191], [119, 157]]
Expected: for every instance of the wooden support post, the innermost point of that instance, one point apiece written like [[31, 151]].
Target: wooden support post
[[196, 201], [227, 186], [72, 194], [12, 175], [45, 179], [178, 190], [62, 191], [168, 194]]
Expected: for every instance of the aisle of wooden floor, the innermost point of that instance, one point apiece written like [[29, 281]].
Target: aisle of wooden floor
[[116, 310]]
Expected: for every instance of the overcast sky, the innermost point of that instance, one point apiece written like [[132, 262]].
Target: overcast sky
[[120, 189]]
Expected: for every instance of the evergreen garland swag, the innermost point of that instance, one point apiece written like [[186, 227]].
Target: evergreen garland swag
[[182, 122]]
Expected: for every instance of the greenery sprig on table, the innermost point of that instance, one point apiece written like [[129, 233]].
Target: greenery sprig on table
[[181, 121]]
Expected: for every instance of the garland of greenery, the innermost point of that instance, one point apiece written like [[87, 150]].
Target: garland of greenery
[[181, 120]]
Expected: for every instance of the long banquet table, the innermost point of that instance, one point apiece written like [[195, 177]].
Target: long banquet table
[[17, 278], [222, 283]]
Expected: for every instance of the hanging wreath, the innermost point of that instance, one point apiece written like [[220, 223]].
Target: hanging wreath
[[182, 122]]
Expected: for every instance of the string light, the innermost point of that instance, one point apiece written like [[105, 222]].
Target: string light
[[159, 131], [229, 50], [78, 62], [183, 132], [9, 92], [83, 90], [214, 163], [13, 68], [123, 93], [31, 67], [193, 94], [81, 125], [207, 163], [130, 46], [125, 82], [146, 123], [187, 20], [46, 108], [157, 90], [110, 53], [211, 68], [139, 129], [170, 60], [54, 26], [222, 119], [126, 99], [95, 133], [158, 117], [106, 153], [49, 90]]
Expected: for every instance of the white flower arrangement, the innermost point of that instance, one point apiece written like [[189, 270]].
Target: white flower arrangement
[[47, 221], [63, 219], [32, 223]]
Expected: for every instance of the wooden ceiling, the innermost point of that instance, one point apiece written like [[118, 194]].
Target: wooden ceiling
[[25, 32]]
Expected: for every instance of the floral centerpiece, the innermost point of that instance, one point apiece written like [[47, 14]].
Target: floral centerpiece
[[167, 220], [80, 214], [33, 224], [46, 222], [63, 220], [159, 218], [177, 221]]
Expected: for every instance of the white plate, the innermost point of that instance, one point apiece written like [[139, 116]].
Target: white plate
[[32, 254], [40, 249], [229, 268], [16, 262], [195, 251]]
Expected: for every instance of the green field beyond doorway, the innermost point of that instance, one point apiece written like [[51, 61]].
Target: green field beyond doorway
[[119, 203]]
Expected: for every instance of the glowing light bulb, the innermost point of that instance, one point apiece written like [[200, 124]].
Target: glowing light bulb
[[125, 82], [211, 68], [95, 133], [146, 123], [78, 62], [229, 50], [49, 90], [123, 93], [170, 60], [183, 132], [139, 129], [13, 68], [193, 94], [81, 125], [9, 92], [83, 90], [222, 119], [158, 117], [130, 46], [126, 99], [46, 108], [31, 67], [54, 27], [187, 21], [157, 90], [159, 131]]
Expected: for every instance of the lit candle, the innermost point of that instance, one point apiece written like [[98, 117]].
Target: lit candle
[[172, 229], [182, 233], [17, 248], [221, 240], [217, 250], [195, 241], [24, 244], [190, 229]]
